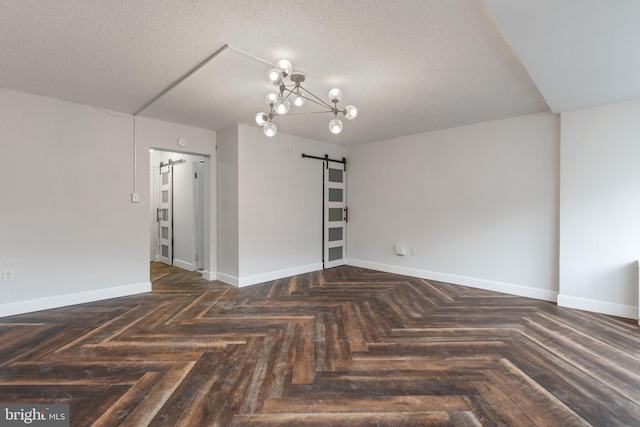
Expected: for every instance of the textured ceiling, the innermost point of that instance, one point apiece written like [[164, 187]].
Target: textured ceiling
[[410, 66], [580, 53]]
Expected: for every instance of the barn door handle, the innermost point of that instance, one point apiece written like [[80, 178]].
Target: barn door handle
[[346, 214]]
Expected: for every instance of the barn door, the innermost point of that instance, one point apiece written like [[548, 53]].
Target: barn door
[[335, 214], [165, 214]]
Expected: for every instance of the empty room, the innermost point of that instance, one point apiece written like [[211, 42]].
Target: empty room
[[319, 213]]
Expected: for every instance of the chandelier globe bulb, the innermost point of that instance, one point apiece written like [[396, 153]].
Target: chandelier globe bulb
[[285, 67], [275, 77], [350, 112], [270, 129], [282, 105], [335, 126], [335, 95], [262, 118], [270, 99], [297, 98]]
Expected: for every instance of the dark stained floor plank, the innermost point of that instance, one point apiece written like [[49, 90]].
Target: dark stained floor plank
[[345, 346]]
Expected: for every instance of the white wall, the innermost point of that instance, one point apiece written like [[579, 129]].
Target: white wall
[[227, 181], [478, 203], [279, 200], [600, 209], [67, 226]]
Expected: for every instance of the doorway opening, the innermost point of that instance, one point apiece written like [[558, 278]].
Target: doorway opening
[[179, 195]]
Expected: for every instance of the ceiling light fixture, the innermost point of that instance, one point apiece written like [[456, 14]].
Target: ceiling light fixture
[[295, 94]]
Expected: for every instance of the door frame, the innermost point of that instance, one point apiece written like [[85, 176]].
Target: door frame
[[209, 203]]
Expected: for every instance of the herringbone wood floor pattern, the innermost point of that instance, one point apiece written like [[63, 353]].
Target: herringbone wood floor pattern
[[342, 347]]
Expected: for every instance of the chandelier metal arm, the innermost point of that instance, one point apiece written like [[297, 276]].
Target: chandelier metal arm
[[317, 100], [320, 101], [291, 90], [308, 112]]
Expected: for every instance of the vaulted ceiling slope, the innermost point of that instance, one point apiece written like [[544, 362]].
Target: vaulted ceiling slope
[[410, 66], [580, 53]]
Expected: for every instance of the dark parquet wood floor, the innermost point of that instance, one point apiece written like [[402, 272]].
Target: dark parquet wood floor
[[342, 347]]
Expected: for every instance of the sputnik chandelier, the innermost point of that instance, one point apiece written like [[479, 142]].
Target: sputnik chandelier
[[294, 93]]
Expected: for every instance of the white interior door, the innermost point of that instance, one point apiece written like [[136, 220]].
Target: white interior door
[[335, 214], [154, 242], [165, 214]]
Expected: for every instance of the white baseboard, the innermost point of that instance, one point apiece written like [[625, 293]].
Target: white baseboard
[[603, 307], [21, 307], [278, 274], [227, 278], [184, 264], [209, 275], [267, 277], [489, 285]]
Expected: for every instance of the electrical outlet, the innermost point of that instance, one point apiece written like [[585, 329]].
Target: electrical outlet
[[8, 276], [135, 198], [412, 251]]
